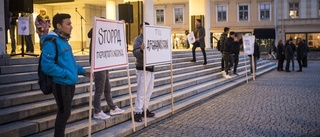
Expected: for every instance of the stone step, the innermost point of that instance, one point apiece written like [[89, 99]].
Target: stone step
[[37, 108], [115, 81], [20, 86], [125, 128], [48, 121], [159, 104], [28, 76]]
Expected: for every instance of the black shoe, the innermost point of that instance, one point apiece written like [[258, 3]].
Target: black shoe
[[204, 63], [137, 117], [193, 60], [149, 114], [299, 70], [281, 70], [235, 73], [287, 71]]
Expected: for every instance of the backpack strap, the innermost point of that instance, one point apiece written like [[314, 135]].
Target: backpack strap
[[55, 43]]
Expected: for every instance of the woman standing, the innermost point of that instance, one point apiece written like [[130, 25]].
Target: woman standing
[[280, 55]]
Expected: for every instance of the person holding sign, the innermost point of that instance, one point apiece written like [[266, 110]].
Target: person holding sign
[[256, 56], [64, 72], [102, 85], [199, 35], [138, 49]]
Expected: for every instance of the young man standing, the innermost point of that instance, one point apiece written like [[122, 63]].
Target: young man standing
[[199, 36], [138, 49], [223, 42], [64, 72]]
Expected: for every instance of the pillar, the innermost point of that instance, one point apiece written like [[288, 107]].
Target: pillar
[[111, 9], [148, 11], [201, 7], [2, 29]]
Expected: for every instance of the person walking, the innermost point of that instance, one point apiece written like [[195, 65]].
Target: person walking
[[64, 72], [280, 55], [199, 36], [301, 51], [223, 42], [102, 85], [42, 24], [138, 49], [288, 54]]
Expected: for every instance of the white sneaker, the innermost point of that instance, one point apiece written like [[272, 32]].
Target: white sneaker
[[101, 115], [228, 76], [116, 111], [223, 73]]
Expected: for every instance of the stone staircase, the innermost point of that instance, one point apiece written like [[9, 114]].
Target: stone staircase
[[25, 111]]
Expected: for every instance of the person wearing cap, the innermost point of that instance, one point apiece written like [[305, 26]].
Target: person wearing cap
[[42, 23], [199, 36]]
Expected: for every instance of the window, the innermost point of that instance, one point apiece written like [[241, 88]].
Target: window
[[243, 13], [222, 13], [265, 11], [160, 16], [294, 10], [178, 15]]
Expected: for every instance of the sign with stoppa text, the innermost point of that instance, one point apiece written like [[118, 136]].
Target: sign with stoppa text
[[248, 44], [109, 49], [157, 41]]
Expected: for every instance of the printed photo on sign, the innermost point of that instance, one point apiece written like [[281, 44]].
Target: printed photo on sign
[[248, 44], [109, 45]]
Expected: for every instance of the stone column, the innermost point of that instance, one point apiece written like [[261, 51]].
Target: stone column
[[2, 29], [111, 9], [148, 11], [201, 7]]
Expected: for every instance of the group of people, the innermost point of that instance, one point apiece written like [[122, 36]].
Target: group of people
[[287, 52], [42, 24], [230, 49]]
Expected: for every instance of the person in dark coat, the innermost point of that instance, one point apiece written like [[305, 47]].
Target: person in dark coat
[[294, 49], [301, 50], [256, 55], [280, 55], [288, 54], [227, 51], [305, 57], [235, 52], [199, 35]]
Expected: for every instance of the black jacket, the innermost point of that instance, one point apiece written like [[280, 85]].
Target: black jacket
[[280, 52], [236, 47], [223, 41], [201, 33], [228, 48], [256, 52], [288, 51], [301, 50]]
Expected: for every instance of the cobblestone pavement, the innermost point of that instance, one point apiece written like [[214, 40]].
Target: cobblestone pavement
[[275, 104]]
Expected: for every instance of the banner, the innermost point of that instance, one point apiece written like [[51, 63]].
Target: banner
[[109, 49], [248, 45], [23, 26], [158, 47]]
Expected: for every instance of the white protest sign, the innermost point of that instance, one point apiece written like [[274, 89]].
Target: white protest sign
[[23, 26], [109, 49], [157, 40], [191, 38], [248, 44]]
